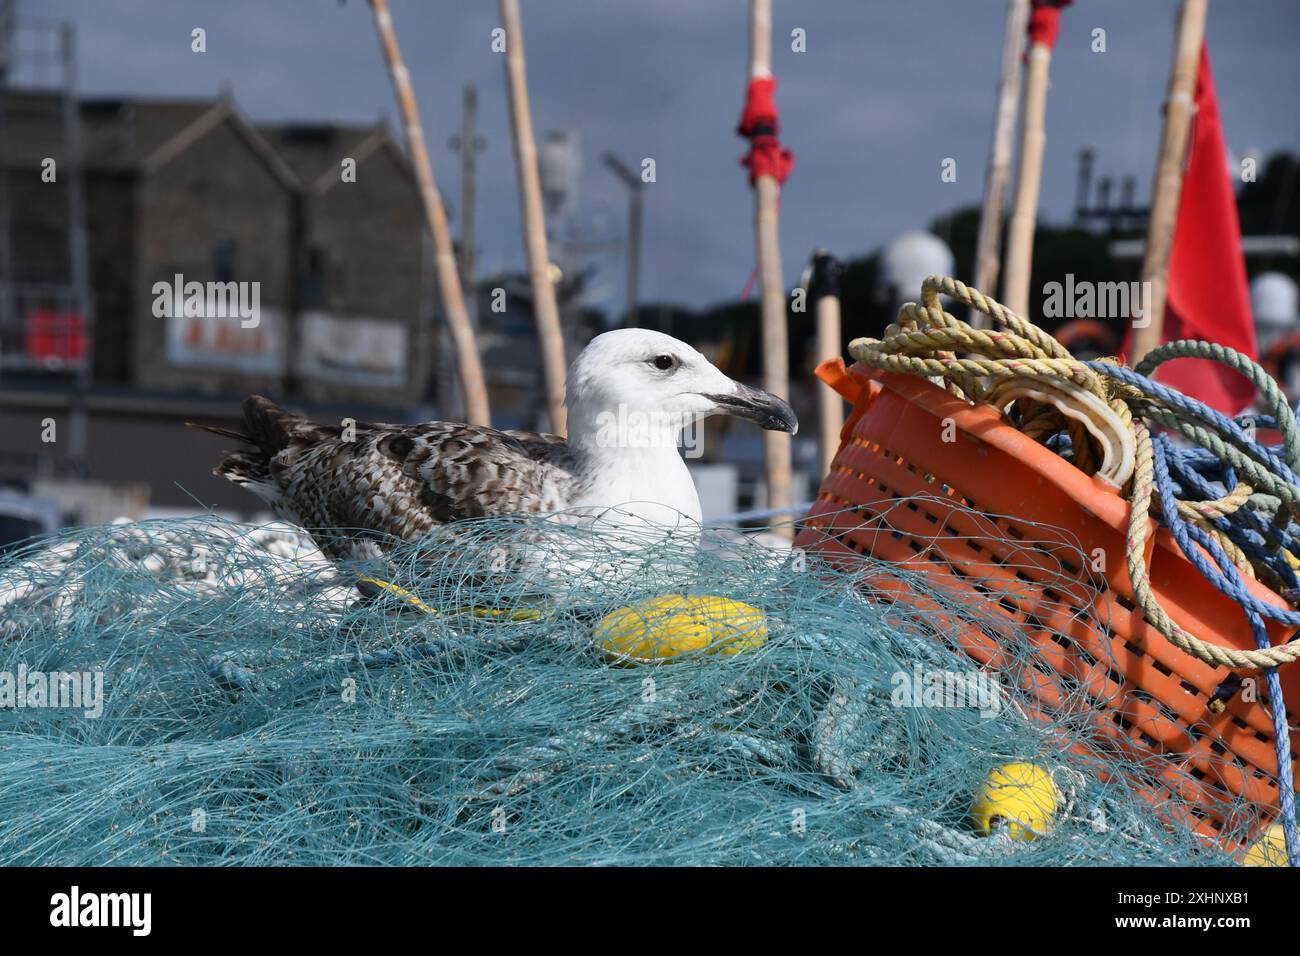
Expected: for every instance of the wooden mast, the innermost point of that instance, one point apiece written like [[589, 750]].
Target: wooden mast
[[545, 310], [777, 455], [469, 364], [998, 175], [1169, 174]]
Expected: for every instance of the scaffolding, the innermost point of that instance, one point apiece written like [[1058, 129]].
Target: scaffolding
[[46, 327], [8, 31]]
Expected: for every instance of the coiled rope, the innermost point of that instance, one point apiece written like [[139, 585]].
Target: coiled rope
[[1226, 496]]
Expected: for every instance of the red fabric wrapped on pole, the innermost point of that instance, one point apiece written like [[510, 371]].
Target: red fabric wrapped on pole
[[760, 124], [1208, 297], [1045, 22]]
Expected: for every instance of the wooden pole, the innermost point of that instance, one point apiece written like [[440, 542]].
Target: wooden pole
[[453, 299], [633, 255], [998, 174], [1169, 174], [635, 187], [1033, 140], [776, 360], [545, 310], [469, 144], [78, 416], [824, 290], [832, 406]]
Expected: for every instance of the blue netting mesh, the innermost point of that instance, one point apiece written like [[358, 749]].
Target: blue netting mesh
[[256, 711]]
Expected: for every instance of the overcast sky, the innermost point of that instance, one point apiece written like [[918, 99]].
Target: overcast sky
[[886, 90]]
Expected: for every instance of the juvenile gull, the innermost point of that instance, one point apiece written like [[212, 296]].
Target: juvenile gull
[[630, 394]]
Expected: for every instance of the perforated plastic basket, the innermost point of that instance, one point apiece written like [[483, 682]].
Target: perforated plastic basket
[[966, 512]]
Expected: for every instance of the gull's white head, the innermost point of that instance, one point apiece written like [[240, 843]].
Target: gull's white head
[[633, 387]]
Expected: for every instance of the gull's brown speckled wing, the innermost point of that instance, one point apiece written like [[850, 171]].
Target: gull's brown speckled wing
[[392, 481]]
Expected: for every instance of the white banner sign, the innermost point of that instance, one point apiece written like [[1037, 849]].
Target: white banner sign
[[353, 349], [222, 342]]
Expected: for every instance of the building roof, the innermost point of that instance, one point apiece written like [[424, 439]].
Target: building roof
[[129, 134], [312, 149], [114, 132], [124, 133], [120, 133]]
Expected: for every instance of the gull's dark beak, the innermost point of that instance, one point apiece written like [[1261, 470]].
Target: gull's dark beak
[[762, 408]]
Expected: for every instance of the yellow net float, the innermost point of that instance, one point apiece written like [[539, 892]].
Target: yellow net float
[[665, 627], [1019, 797], [1268, 850]]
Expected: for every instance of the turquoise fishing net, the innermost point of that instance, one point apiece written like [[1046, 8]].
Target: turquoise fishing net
[[257, 709]]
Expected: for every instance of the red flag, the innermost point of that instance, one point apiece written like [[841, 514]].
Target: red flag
[[1208, 297]]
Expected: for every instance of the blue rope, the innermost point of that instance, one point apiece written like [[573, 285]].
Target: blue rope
[[1227, 578], [1194, 472], [1184, 533], [1188, 407], [1259, 538]]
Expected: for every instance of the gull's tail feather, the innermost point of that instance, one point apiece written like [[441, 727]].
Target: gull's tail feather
[[270, 427], [250, 470], [220, 430], [266, 425]]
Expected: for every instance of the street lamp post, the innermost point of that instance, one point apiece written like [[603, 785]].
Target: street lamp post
[[634, 186]]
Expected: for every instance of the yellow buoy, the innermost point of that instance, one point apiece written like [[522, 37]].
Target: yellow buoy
[[670, 625], [1018, 796], [1268, 850]]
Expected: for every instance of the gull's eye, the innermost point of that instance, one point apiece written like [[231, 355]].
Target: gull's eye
[[664, 362]]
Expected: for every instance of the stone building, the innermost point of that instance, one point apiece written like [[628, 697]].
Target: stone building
[[190, 188], [184, 192], [365, 291]]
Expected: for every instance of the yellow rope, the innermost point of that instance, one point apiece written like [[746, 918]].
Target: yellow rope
[[406, 596], [1023, 361], [488, 613], [1016, 364]]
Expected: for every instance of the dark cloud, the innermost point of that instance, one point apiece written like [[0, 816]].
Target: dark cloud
[[885, 92]]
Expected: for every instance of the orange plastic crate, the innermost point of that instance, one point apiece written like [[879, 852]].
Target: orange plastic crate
[[969, 513]]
